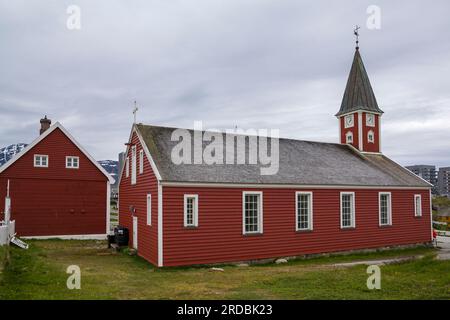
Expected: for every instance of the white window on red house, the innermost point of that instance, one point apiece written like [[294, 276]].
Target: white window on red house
[[347, 209], [191, 210], [304, 210], [133, 165], [72, 162], [41, 161], [418, 205], [127, 167], [252, 212], [141, 161], [149, 209], [385, 206]]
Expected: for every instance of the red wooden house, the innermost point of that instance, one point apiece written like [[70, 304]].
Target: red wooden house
[[57, 189], [325, 197]]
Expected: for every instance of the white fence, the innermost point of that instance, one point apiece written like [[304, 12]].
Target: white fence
[[7, 232]]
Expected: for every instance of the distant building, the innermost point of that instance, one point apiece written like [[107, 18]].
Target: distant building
[[444, 181], [428, 173], [121, 162]]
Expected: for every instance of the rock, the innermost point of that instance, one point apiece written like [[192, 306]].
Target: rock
[[217, 269], [278, 261]]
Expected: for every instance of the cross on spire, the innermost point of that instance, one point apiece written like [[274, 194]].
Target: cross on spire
[[356, 33], [135, 110]]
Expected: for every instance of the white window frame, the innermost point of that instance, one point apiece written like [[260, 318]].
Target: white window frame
[[416, 212], [149, 209], [349, 134], [69, 162], [133, 164], [371, 134], [40, 157], [370, 115], [352, 124], [353, 213], [389, 217], [141, 161], [259, 213], [127, 167], [310, 211], [194, 223]]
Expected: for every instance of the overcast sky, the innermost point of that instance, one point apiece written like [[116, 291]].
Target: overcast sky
[[251, 63]]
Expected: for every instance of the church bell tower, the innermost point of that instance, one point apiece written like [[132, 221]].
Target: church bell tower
[[359, 115]]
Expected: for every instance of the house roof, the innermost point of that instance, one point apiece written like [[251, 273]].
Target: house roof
[[300, 163], [358, 93], [57, 125]]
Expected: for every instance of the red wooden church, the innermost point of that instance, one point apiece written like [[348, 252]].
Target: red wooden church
[[57, 189], [326, 197]]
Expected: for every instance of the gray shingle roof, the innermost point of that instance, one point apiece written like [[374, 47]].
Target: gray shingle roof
[[301, 163], [358, 93]]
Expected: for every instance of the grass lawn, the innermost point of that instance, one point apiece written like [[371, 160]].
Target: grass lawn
[[40, 273]]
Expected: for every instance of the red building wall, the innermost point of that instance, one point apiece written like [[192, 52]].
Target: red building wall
[[371, 147], [219, 238], [353, 129], [136, 195], [55, 200]]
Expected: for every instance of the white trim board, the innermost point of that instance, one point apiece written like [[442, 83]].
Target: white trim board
[[282, 186], [57, 125], [69, 237], [160, 225], [358, 110]]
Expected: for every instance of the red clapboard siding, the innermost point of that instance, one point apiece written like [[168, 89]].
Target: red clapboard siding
[[136, 195], [353, 129], [219, 235], [55, 200], [367, 146]]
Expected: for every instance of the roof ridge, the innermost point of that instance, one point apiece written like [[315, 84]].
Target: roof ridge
[[280, 138]]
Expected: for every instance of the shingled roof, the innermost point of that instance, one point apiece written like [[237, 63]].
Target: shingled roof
[[358, 93], [300, 163]]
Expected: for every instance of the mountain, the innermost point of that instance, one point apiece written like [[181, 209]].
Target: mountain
[[6, 153], [111, 166]]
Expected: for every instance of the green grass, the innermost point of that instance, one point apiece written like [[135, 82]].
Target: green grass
[[40, 273]]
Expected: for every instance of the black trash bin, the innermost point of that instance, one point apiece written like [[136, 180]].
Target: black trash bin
[[121, 235]]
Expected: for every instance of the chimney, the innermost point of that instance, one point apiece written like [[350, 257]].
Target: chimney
[[45, 124]]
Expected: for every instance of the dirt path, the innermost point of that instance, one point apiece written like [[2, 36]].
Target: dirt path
[[443, 244]]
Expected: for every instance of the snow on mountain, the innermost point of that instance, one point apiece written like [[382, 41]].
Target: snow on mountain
[[111, 166], [7, 153]]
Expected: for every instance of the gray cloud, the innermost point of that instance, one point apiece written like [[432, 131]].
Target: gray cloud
[[253, 63]]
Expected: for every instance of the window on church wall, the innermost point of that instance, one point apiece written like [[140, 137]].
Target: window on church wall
[[385, 209], [347, 210], [349, 137], [371, 136]]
